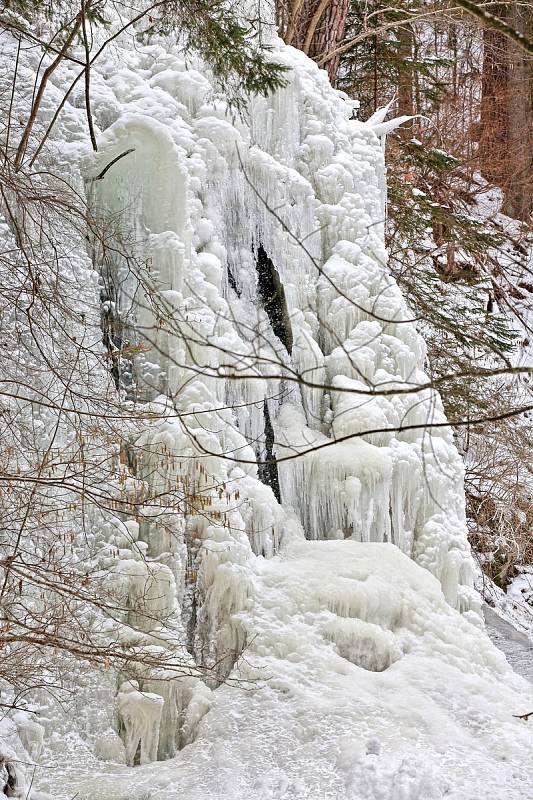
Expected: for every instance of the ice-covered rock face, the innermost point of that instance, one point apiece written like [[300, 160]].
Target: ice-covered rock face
[[245, 285], [244, 259], [256, 274]]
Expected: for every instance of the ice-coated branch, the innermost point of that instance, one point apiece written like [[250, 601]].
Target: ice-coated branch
[[40, 92]]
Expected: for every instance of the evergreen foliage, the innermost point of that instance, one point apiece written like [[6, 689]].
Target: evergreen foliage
[[212, 28], [438, 249], [459, 269]]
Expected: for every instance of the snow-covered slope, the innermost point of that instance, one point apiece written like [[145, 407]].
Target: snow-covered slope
[[244, 261], [358, 682]]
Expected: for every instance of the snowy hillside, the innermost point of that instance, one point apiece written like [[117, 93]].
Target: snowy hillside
[[359, 681], [314, 579]]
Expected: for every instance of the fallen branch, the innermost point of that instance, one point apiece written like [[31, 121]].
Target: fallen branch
[[523, 716], [108, 167]]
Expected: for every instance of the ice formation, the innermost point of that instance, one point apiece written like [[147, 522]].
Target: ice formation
[[199, 190], [31, 734], [140, 714], [359, 682], [8, 778], [247, 285]]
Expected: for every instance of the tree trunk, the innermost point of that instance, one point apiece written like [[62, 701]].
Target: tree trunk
[[329, 34], [519, 191], [316, 27], [406, 79], [506, 135]]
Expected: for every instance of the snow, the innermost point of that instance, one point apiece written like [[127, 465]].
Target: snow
[[358, 681], [517, 647], [513, 607]]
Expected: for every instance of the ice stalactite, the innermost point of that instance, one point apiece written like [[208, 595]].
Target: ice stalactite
[[184, 703], [31, 733], [309, 364], [140, 715]]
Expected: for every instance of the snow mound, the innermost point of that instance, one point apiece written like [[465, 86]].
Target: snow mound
[[358, 682]]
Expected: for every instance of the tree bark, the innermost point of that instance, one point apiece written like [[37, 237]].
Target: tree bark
[[406, 106], [316, 27], [328, 34], [506, 131]]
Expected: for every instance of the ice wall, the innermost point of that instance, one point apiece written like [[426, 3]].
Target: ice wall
[[212, 212], [246, 305]]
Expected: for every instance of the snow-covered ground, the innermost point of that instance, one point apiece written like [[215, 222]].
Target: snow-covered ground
[[358, 681], [517, 647]]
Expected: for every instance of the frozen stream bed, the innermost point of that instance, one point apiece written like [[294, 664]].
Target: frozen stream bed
[[516, 646]]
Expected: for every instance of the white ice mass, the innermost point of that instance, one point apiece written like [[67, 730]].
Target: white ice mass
[[341, 611]]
